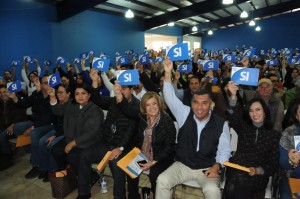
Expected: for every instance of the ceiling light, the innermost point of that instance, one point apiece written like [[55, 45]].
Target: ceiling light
[[227, 1], [244, 14], [210, 32], [257, 28], [129, 14], [252, 23], [194, 29], [171, 24], [207, 20]]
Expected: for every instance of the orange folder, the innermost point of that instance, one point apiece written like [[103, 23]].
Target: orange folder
[[294, 185], [236, 166], [131, 158], [104, 161], [23, 140]]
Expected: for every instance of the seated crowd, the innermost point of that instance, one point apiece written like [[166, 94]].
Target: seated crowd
[[67, 126]]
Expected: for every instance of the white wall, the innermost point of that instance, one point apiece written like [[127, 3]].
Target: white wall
[[191, 40]]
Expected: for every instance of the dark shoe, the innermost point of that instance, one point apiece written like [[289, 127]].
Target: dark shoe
[[6, 161], [33, 173], [84, 196], [94, 178], [43, 174], [46, 179]]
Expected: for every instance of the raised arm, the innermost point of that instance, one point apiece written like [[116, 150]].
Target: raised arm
[[179, 110]]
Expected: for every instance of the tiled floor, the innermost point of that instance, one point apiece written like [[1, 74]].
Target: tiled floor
[[13, 185]]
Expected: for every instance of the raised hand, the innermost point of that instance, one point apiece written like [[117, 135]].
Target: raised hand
[[233, 88], [168, 65], [117, 88], [94, 74]]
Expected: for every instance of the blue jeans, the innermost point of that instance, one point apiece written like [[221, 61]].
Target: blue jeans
[[284, 188], [18, 129], [35, 136], [46, 160]]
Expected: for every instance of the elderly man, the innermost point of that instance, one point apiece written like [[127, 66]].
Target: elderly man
[[203, 143]]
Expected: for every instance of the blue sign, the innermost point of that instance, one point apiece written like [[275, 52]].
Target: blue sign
[[84, 55], [92, 52], [14, 87], [210, 65], [249, 53], [47, 63], [27, 59], [229, 58], [101, 64], [76, 61], [15, 63], [185, 67], [294, 60], [178, 52], [54, 80], [58, 59], [272, 62], [287, 51], [245, 76], [144, 59], [128, 77], [62, 61], [238, 58], [122, 60], [159, 59], [200, 61]]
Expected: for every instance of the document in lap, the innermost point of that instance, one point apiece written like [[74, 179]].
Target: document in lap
[[236, 166], [23, 140], [129, 163], [104, 161]]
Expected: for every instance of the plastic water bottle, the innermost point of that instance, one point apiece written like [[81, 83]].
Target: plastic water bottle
[[103, 186]]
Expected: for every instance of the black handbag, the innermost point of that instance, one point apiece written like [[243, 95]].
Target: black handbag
[[63, 182]]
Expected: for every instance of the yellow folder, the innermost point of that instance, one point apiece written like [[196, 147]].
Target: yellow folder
[[129, 162], [236, 166], [104, 161], [23, 140]]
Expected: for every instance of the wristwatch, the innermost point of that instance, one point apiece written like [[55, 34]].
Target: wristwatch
[[121, 148]]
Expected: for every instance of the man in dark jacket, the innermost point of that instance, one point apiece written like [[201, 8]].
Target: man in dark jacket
[[10, 114], [118, 131], [40, 123]]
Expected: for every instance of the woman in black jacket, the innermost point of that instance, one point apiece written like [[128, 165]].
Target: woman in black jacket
[[82, 121], [156, 136], [257, 148]]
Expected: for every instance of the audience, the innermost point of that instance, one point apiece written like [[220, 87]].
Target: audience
[[197, 101]]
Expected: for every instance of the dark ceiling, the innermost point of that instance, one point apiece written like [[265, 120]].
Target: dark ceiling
[[205, 14]]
